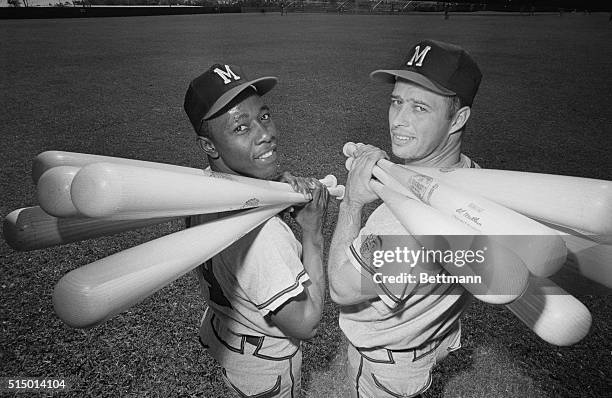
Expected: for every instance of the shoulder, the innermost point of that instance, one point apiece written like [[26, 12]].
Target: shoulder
[[276, 226], [275, 233], [467, 163], [272, 236], [382, 221]]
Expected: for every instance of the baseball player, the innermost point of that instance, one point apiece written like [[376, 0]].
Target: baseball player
[[264, 293], [397, 332]]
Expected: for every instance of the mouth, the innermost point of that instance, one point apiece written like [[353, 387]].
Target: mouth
[[402, 139], [268, 156]]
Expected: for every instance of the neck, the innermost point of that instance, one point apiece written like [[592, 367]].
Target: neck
[[219, 166], [446, 156]]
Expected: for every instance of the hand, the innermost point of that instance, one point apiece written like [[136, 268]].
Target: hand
[[312, 215], [358, 191], [299, 184]]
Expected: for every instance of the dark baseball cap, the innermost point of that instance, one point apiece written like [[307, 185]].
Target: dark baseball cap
[[443, 68], [217, 87]]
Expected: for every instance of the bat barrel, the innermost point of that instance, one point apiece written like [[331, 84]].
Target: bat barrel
[[554, 315], [128, 192], [493, 273], [89, 295], [53, 191]]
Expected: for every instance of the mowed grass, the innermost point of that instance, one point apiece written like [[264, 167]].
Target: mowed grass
[[115, 87]]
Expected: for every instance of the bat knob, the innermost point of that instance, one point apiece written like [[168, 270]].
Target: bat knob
[[348, 164], [337, 192], [53, 191], [349, 148], [329, 181]]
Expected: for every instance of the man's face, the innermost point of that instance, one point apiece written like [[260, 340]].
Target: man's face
[[245, 138], [418, 122]]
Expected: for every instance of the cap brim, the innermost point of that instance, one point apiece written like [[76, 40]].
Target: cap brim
[[390, 76], [262, 86]]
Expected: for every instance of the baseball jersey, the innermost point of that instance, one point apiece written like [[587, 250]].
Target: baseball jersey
[[254, 276], [406, 314]]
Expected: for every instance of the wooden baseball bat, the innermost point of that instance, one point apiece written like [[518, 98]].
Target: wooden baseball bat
[[55, 197], [542, 251], [554, 315], [89, 295], [53, 191], [50, 159], [590, 259], [30, 228], [127, 192], [581, 204], [502, 274]]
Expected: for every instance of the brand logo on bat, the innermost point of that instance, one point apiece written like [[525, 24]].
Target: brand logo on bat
[[254, 202], [226, 75]]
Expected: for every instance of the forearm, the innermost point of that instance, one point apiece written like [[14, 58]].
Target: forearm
[[347, 229], [312, 258]]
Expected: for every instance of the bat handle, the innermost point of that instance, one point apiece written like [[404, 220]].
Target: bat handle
[[329, 181], [337, 191], [349, 148], [349, 151]]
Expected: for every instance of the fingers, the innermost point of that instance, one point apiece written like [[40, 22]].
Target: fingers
[[362, 149], [299, 184], [320, 196], [363, 165]]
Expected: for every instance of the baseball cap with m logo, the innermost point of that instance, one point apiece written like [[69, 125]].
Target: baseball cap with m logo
[[443, 68], [214, 89]]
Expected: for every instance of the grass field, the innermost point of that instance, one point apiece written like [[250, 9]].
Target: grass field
[[115, 87]]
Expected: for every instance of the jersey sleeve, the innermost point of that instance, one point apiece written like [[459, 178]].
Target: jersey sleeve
[[384, 234], [272, 271]]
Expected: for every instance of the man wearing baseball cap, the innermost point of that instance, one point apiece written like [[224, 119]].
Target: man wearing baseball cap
[[264, 293], [398, 331]]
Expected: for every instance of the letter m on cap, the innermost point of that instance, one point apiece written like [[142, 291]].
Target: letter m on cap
[[227, 75], [419, 56]]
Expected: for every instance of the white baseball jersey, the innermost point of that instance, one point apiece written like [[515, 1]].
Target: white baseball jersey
[[406, 314], [253, 277]]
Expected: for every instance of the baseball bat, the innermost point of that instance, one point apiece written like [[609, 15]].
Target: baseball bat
[[30, 228], [554, 315], [590, 259], [127, 192], [89, 295], [50, 159], [53, 191], [55, 196], [542, 250], [581, 204], [503, 275]]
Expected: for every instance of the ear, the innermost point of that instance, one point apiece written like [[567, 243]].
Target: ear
[[208, 147], [460, 119]]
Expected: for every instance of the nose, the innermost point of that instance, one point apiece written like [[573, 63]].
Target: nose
[[265, 134], [397, 117]]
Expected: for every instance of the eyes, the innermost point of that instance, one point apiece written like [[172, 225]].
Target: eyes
[[245, 127], [415, 106]]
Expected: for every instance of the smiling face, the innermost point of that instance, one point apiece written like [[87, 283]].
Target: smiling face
[[243, 139], [419, 123]]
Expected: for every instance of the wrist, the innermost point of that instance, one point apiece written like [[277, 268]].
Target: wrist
[[314, 237], [351, 205]]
